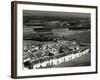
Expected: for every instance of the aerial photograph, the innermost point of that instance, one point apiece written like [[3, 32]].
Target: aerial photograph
[[53, 39]]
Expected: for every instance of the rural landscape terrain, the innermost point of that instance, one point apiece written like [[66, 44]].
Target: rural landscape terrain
[[52, 35]]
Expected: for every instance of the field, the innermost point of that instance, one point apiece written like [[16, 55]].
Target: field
[[81, 61], [83, 36], [80, 35]]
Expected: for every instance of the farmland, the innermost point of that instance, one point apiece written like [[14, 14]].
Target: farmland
[[81, 61]]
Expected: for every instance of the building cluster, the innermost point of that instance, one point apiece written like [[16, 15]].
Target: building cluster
[[50, 53]]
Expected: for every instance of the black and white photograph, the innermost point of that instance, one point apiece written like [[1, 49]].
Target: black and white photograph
[[53, 39], [56, 39]]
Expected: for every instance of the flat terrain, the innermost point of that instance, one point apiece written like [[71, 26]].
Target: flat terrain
[[81, 61], [80, 35]]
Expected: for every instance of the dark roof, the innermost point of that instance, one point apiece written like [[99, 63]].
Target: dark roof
[[61, 55], [35, 62], [41, 60]]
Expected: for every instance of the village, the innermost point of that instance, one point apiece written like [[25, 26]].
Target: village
[[52, 53]]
